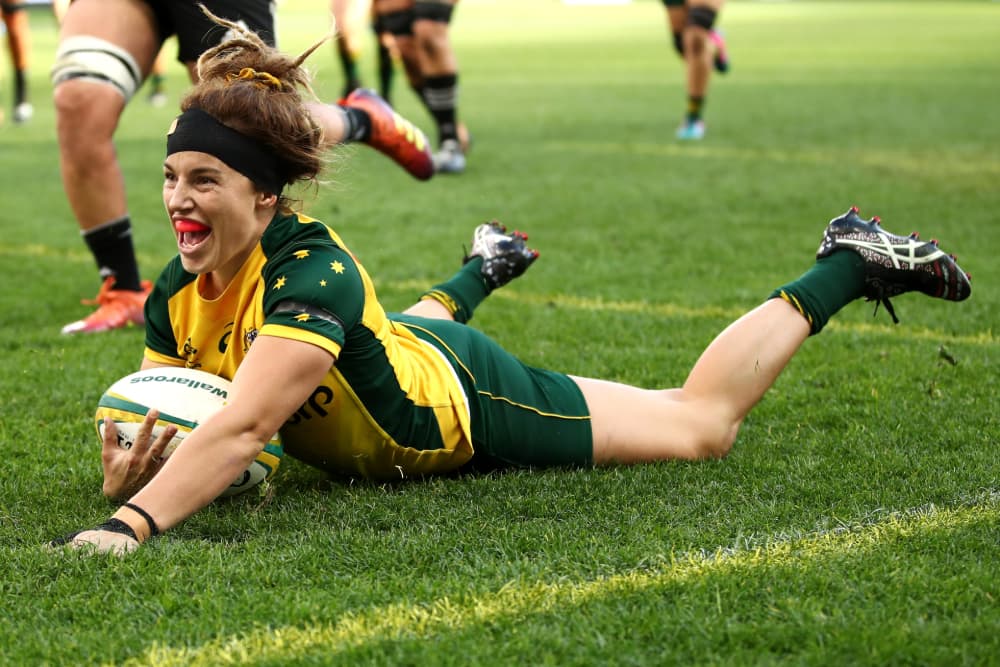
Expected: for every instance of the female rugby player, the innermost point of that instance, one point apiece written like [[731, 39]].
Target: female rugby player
[[354, 390]]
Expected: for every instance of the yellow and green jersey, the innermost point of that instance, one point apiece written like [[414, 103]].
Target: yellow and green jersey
[[405, 395], [391, 403]]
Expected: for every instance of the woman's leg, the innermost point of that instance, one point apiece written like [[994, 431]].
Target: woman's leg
[[495, 258], [856, 258], [701, 419]]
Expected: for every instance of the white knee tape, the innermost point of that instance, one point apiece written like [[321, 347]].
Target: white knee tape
[[95, 59]]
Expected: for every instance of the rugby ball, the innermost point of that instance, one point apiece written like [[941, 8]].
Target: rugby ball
[[185, 397]]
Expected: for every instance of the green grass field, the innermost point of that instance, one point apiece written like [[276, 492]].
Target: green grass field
[[857, 520]]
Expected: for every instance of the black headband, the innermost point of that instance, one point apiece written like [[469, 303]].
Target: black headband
[[196, 130]]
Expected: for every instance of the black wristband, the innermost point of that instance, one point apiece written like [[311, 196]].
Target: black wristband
[[114, 525], [153, 529]]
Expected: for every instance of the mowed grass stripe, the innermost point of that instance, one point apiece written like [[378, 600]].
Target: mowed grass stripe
[[676, 311], [599, 304], [932, 165], [823, 553]]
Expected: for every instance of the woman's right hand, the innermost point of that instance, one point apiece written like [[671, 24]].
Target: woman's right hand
[[128, 470]]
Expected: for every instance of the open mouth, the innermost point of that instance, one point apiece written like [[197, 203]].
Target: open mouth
[[190, 233]]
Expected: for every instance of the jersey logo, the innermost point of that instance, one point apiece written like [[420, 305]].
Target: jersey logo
[[224, 341], [248, 338], [191, 355]]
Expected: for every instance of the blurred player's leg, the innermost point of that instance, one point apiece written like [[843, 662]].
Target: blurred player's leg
[[157, 94], [349, 18], [365, 117], [720, 59], [15, 19], [702, 48], [106, 49], [59, 8], [439, 68], [387, 55], [395, 19]]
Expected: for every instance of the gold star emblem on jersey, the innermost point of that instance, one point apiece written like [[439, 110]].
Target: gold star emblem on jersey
[[337, 267], [301, 254], [280, 282], [322, 283]]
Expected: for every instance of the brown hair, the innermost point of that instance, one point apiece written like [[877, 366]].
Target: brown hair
[[254, 89]]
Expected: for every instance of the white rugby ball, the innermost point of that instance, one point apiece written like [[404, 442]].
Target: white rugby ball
[[185, 397]]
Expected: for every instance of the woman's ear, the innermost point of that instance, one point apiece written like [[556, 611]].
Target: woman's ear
[[266, 199]]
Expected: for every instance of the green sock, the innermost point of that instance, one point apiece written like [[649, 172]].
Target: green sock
[[832, 283], [156, 82], [463, 292], [694, 108], [20, 87], [349, 64]]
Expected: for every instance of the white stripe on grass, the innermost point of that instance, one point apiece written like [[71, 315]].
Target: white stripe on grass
[[524, 598], [672, 310], [979, 168]]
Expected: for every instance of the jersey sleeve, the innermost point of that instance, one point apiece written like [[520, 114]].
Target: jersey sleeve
[[161, 344], [313, 292]]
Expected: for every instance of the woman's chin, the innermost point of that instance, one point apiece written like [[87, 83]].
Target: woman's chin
[[192, 264]]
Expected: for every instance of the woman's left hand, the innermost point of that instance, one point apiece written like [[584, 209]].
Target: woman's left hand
[[103, 542]]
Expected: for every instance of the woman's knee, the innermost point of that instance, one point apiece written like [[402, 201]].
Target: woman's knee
[[714, 443], [711, 429], [636, 426]]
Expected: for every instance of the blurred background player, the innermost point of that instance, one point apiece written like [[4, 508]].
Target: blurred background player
[[691, 24], [420, 29], [15, 20], [388, 54], [157, 93], [351, 18], [106, 51]]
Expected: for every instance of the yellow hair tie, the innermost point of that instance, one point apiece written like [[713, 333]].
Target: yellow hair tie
[[259, 79]]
